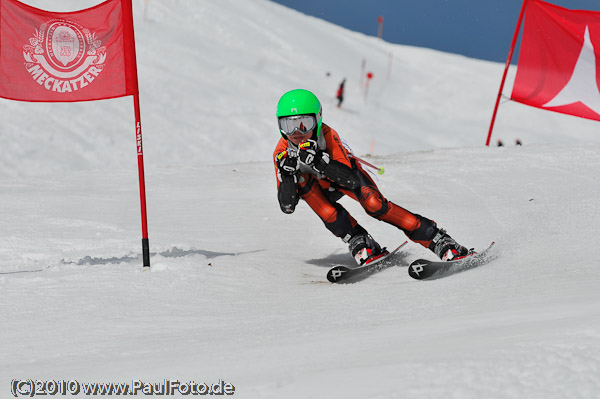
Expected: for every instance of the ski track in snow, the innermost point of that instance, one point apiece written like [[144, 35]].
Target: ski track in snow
[[237, 289]]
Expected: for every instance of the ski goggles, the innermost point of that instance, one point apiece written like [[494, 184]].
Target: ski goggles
[[304, 124]]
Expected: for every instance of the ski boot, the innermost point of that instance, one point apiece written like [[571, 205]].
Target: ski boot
[[364, 249], [446, 248]]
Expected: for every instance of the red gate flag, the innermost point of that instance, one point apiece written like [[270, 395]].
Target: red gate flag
[[73, 56], [68, 56], [558, 66]]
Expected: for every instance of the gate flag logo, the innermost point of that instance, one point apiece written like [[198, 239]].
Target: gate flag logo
[[64, 57], [75, 56], [559, 60]]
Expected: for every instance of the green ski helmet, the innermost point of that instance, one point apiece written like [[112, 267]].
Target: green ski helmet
[[300, 102]]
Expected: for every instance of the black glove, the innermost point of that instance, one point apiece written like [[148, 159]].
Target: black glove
[[311, 156], [287, 163]]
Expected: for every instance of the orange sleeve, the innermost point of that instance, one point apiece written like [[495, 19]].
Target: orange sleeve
[[335, 149]]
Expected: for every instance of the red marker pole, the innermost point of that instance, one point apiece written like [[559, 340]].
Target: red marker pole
[[510, 54], [369, 77], [140, 156], [380, 26]]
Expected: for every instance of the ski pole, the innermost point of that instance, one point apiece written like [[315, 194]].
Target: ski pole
[[380, 171]]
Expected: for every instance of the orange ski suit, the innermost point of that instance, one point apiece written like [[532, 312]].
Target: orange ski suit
[[322, 195]]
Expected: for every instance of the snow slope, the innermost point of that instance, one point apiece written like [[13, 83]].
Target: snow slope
[[237, 289]]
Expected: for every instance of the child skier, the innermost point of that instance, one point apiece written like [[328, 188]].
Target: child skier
[[311, 163], [340, 93]]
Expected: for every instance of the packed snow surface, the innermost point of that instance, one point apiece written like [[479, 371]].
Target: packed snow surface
[[237, 290]]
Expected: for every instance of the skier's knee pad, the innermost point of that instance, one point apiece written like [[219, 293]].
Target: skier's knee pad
[[329, 214], [373, 202]]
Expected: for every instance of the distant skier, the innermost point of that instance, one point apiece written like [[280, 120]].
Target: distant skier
[[312, 163], [340, 93]]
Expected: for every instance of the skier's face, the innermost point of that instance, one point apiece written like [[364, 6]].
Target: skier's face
[[297, 138]]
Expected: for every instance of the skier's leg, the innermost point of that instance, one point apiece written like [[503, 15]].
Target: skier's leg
[[416, 227], [337, 220], [335, 217]]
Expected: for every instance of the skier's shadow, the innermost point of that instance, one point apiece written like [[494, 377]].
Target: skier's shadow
[[344, 259]]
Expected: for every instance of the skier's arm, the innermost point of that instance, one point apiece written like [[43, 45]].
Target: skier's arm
[[321, 162], [341, 174], [287, 172]]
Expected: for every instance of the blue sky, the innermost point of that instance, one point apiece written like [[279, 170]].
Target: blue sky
[[475, 28]]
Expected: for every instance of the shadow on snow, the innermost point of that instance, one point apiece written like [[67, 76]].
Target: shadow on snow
[[171, 253]]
